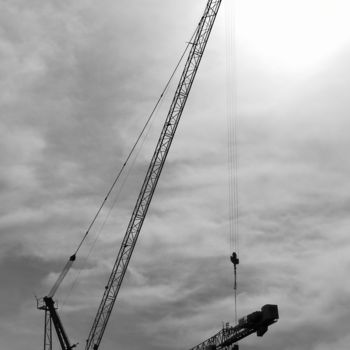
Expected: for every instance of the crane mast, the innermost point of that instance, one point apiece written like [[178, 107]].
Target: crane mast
[[61, 334], [155, 168]]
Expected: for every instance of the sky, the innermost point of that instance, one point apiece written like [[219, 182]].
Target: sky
[[78, 81]]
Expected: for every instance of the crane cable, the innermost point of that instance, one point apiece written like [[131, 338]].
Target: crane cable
[[232, 116], [72, 258], [116, 197]]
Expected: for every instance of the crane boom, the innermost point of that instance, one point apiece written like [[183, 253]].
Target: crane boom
[[145, 196], [257, 321]]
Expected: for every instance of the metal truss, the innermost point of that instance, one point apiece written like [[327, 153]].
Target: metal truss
[[225, 339], [128, 244], [47, 324]]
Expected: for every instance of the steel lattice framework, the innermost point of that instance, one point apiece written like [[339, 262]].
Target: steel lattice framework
[[48, 331], [225, 339], [128, 244], [258, 322], [47, 324]]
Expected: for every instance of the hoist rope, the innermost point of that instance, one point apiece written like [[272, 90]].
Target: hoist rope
[[116, 197], [133, 148], [73, 257], [232, 144]]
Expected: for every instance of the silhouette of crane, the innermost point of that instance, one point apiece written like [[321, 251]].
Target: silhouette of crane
[[109, 298]]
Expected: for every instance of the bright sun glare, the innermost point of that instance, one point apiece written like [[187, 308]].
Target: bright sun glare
[[293, 35]]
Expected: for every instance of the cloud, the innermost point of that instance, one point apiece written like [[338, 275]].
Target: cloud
[[78, 82]]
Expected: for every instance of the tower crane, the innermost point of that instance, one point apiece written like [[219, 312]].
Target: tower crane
[[115, 280], [256, 322]]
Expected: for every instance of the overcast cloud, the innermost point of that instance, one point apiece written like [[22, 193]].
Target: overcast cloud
[[78, 80]]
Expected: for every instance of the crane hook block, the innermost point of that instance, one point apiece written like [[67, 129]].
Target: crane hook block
[[234, 259]]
